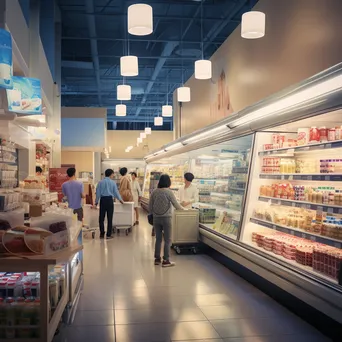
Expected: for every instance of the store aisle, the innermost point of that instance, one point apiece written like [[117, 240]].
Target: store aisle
[[128, 299]]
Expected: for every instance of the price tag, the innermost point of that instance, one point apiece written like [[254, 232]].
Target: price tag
[[337, 244], [292, 232], [309, 177], [290, 177], [330, 210], [313, 238], [327, 178], [293, 204], [274, 227], [304, 236], [282, 177], [279, 202], [328, 146]]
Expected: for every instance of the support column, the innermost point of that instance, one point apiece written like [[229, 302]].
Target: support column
[[54, 123], [97, 167]]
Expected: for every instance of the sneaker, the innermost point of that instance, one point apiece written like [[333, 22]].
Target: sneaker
[[168, 263], [109, 237], [157, 261]]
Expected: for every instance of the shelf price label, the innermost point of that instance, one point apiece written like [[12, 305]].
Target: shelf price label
[[313, 238], [337, 245], [292, 232], [303, 236], [330, 210]]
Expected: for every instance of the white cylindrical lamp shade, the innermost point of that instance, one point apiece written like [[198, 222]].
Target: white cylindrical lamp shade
[[167, 111], [123, 92], [129, 66], [183, 94], [253, 25], [203, 69], [142, 135], [158, 121], [148, 130], [140, 19], [120, 110]]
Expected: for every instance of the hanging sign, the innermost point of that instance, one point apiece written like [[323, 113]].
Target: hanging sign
[[26, 96], [6, 68]]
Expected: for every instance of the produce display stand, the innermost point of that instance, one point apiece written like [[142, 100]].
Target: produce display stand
[[42, 264]]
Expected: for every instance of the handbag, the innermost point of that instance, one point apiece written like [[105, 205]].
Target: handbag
[[150, 219]]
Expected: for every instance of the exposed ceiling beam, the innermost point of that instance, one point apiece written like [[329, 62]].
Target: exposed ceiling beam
[[140, 57], [155, 16], [119, 78], [130, 118], [167, 51], [93, 45], [151, 40], [104, 93]]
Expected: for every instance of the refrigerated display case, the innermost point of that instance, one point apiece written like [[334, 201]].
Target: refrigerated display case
[[280, 189]]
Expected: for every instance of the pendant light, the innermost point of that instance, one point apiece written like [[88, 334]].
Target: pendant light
[[167, 111], [253, 25], [120, 110], [202, 67], [123, 92], [183, 94], [129, 66], [158, 121], [148, 130], [140, 19], [142, 135]]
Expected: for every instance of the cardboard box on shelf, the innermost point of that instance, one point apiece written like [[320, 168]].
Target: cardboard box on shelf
[[36, 210]]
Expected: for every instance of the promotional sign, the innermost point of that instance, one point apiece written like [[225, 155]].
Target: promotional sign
[[57, 176], [25, 97], [6, 68]]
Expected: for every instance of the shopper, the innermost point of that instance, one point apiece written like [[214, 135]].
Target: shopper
[[40, 176], [39, 171], [74, 192], [136, 192], [188, 194], [106, 191], [161, 202], [125, 185]]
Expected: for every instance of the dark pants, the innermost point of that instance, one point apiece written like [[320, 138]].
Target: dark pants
[[106, 206], [79, 213]]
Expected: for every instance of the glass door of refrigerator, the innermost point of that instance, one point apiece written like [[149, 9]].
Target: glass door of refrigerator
[[221, 175], [294, 204]]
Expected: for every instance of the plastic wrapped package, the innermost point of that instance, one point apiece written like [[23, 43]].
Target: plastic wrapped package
[[14, 218]]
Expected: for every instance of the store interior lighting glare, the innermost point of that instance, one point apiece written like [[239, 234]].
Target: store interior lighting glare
[[167, 111], [253, 25], [183, 94], [302, 96], [139, 140], [142, 135], [148, 130], [158, 121], [120, 110], [174, 146], [140, 19], [123, 92], [129, 66], [205, 135], [203, 70]]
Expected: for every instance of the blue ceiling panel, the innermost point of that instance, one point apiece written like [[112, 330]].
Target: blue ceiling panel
[[94, 37]]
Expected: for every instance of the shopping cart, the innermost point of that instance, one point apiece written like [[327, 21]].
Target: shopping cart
[[90, 221], [123, 218]]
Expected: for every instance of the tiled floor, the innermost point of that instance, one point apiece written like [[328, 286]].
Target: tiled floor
[[128, 299]]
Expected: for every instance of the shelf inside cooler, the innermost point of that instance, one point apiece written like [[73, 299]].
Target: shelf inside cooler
[[299, 233], [210, 227], [302, 176], [327, 208], [304, 148]]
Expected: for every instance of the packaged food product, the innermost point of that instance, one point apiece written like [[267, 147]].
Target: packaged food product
[[338, 133], [303, 136], [331, 134], [323, 132], [314, 135]]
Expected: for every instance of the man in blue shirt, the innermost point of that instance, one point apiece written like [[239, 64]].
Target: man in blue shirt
[[74, 192], [106, 191]]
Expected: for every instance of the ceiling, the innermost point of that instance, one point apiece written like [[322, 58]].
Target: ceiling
[[94, 37]]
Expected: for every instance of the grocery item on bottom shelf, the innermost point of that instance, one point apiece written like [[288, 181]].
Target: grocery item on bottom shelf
[[226, 225], [321, 258], [207, 215], [329, 195]]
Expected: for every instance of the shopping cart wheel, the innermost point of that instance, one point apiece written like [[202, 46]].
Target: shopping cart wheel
[[177, 249], [93, 235], [194, 250]]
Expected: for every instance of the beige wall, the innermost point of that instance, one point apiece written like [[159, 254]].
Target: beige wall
[[83, 161], [83, 112], [303, 37], [119, 140]]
